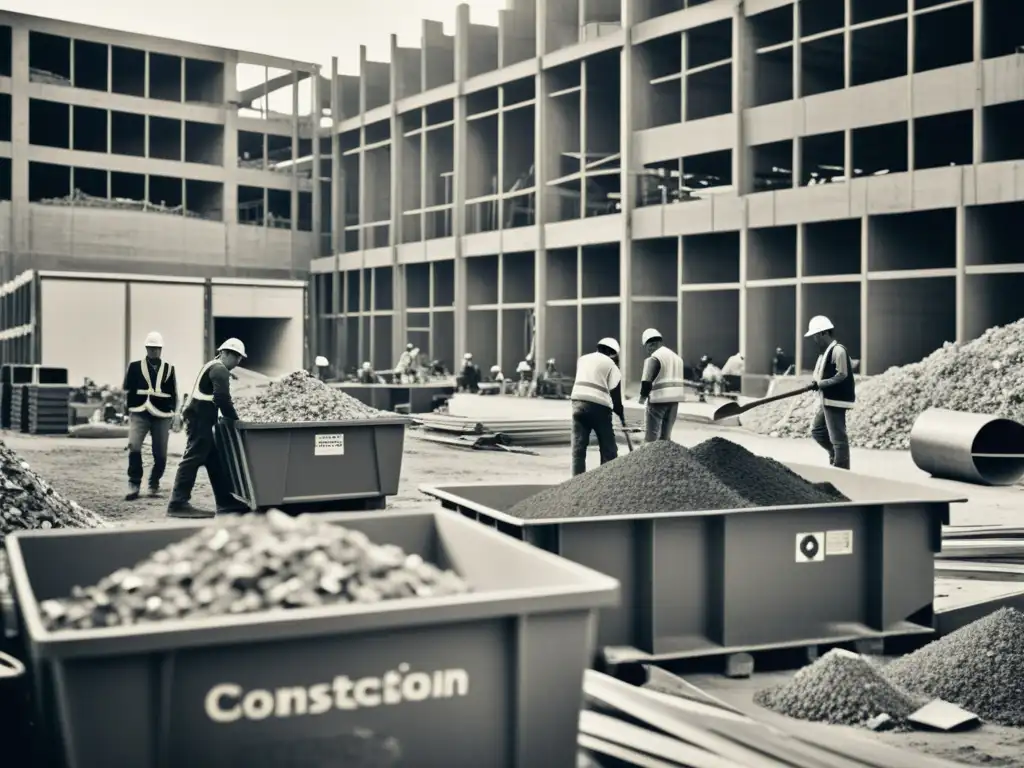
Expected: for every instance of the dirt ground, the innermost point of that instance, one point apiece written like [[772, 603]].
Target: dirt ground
[[93, 473]]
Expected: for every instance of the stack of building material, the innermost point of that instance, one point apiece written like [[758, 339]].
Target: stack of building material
[[625, 725], [981, 549], [48, 412], [440, 427]]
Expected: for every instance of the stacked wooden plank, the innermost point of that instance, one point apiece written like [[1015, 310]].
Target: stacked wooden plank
[[442, 428]]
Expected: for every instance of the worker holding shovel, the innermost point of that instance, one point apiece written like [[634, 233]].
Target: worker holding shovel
[[833, 379]]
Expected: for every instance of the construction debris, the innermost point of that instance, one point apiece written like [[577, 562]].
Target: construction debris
[[841, 688], [508, 432], [254, 564], [979, 667], [301, 397], [980, 376], [80, 199], [658, 477], [763, 482], [27, 502]]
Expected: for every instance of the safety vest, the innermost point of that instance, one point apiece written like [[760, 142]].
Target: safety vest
[[842, 395], [596, 377], [668, 386], [154, 389], [197, 393]]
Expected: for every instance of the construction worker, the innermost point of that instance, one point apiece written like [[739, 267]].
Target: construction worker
[[732, 373], [211, 393], [596, 395], [833, 379], [403, 368], [367, 375], [524, 375], [781, 363], [321, 364], [468, 379], [151, 398], [661, 387]]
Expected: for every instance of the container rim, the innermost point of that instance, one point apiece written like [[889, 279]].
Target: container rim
[[383, 421], [440, 492], [591, 590]]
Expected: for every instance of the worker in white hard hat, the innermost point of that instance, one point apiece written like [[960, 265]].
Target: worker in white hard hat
[[662, 386], [321, 364], [151, 399], [367, 375], [468, 378], [833, 379], [210, 393], [596, 396]]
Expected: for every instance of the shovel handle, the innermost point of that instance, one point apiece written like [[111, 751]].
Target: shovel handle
[[785, 395]]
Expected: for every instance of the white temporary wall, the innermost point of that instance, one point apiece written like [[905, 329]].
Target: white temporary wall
[[280, 344], [83, 326], [177, 311]]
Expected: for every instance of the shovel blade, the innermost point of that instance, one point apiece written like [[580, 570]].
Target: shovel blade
[[726, 411]]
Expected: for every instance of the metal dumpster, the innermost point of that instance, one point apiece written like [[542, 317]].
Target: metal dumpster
[[724, 581], [491, 679], [277, 465]]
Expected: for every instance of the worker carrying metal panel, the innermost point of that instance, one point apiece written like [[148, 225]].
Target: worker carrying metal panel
[[210, 393], [662, 387], [833, 379], [151, 399], [596, 395]]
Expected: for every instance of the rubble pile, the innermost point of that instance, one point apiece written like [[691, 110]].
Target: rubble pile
[[657, 477], [979, 376], [979, 667], [80, 199], [250, 565], [27, 502], [301, 397], [763, 482], [841, 688]]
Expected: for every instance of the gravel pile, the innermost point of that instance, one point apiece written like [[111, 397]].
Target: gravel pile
[[27, 502], [840, 688], [979, 667], [980, 376], [301, 397], [763, 482], [658, 477], [254, 564]]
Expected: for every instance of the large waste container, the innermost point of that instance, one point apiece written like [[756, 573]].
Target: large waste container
[[710, 583], [490, 679], [276, 465]]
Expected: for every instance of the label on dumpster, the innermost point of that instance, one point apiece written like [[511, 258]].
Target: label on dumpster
[[810, 547], [838, 543], [329, 445]]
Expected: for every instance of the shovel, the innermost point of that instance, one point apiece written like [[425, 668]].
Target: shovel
[[729, 410], [625, 434]]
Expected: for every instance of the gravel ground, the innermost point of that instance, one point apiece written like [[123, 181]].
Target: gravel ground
[[93, 473]]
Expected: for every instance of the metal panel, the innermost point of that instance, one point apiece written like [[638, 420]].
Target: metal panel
[[176, 311], [83, 329]]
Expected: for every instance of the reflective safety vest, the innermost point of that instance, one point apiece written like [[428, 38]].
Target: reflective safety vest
[[596, 376], [197, 392], [154, 391], [668, 386]]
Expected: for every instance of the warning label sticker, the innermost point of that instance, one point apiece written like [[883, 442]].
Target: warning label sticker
[[329, 445], [838, 543], [810, 547]]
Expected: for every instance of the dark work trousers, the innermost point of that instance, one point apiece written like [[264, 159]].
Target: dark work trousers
[[201, 451], [587, 418], [659, 420], [829, 431], [159, 430]]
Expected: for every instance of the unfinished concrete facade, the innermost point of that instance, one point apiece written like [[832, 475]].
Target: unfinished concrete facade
[[720, 170], [137, 154]]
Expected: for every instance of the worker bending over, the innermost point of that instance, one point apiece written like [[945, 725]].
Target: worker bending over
[[367, 375], [661, 387], [833, 379], [596, 395], [211, 393], [151, 398]]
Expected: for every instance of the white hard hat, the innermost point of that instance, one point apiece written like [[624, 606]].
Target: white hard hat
[[321, 361], [818, 324], [233, 345], [367, 366], [495, 368], [154, 339], [649, 335], [468, 356], [609, 342]]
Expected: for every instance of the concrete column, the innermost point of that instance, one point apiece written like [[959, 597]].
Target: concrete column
[[979, 84], [364, 289], [540, 175], [627, 187], [742, 79], [961, 272], [21, 245], [911, 44], [398, 318], [798, 346], [337, 214], [459, 176], [865, 249]]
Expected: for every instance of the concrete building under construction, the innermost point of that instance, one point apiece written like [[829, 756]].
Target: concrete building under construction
[[720, 170]]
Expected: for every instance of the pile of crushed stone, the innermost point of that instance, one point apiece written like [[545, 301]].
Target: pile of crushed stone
[[27, 502], [301, 397], [658, 477], [979, 667], [763, 482], [980, 376], [841, 688]]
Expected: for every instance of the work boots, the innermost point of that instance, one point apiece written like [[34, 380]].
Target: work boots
[[188, 512], [133, 492]]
